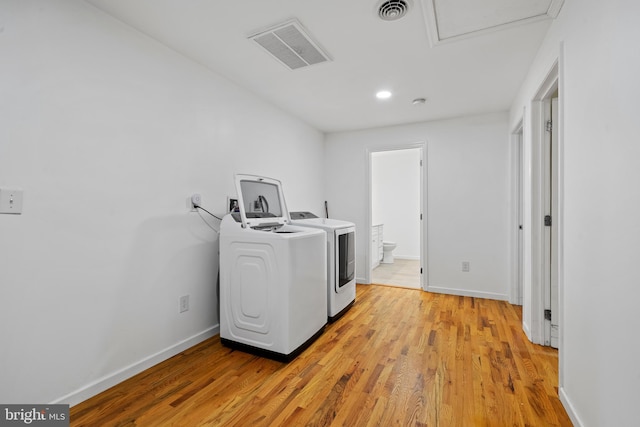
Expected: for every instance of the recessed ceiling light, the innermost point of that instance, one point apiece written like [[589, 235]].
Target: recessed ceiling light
[[383, 94], [419, 101]]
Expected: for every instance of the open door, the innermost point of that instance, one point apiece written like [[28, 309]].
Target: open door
[[550, 247], [517, 292]]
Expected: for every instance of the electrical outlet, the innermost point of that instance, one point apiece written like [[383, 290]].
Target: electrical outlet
[[10, 201], [196, 200], [466, 266], [184, 303]]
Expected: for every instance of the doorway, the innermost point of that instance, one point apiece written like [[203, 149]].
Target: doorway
[[517, 161], [546, 207], [396, 206]]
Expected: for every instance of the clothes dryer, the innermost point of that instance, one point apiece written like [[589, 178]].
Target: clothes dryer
[[341, 260], [273, 299]]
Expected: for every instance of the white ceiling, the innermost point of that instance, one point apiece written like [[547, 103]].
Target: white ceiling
[[465, 56]]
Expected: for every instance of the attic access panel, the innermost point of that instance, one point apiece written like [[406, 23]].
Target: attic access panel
[[453, 19]]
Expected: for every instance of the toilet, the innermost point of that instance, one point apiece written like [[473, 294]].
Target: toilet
[[387, 250]]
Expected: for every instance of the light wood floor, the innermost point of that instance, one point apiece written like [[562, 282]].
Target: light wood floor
[[403, 272], [399, 357]]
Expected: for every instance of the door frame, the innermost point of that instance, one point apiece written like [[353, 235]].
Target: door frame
[[424, 282], [535, 302]]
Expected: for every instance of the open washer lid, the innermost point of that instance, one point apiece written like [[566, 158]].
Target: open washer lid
[[261, 201]]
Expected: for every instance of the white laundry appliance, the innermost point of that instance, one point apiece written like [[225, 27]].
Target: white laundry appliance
[[341, 260], [273, 298]]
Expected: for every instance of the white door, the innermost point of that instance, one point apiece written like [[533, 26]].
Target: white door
[[520, 214], [551, 223], [423, 251], [554, 224]]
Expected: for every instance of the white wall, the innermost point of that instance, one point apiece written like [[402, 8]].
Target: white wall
[[395, 199], [467, 195], [108, 133], [599, 90]]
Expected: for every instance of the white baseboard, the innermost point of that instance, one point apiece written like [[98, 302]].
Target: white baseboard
[[127, 372], [527, 330], [467, 293], [564, 399]]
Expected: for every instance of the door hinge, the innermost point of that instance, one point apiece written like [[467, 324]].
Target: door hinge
[[549, 126], [420, 270], [547, 314], [420, 217], [420, 162], [547, 220]]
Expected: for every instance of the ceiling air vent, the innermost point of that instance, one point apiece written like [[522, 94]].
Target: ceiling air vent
[[290, 44], [390, 10]]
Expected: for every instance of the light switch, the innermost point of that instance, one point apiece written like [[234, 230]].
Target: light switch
[[10, 201]]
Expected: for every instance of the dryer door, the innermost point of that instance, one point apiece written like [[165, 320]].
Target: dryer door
[[345, 257]]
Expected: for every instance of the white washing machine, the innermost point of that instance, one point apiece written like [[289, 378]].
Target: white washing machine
[[273, 299], [341, 260]]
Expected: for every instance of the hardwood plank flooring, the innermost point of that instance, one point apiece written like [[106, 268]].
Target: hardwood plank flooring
[[399, 357]]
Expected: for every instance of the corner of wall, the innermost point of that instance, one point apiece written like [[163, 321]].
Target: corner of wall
[[117, 377], [564, 399]]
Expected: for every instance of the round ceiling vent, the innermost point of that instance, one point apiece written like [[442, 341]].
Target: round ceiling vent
[[390, 10]]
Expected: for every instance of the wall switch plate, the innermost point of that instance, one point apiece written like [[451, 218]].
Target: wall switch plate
[[466, 266], [10, 201], [184, 303]]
